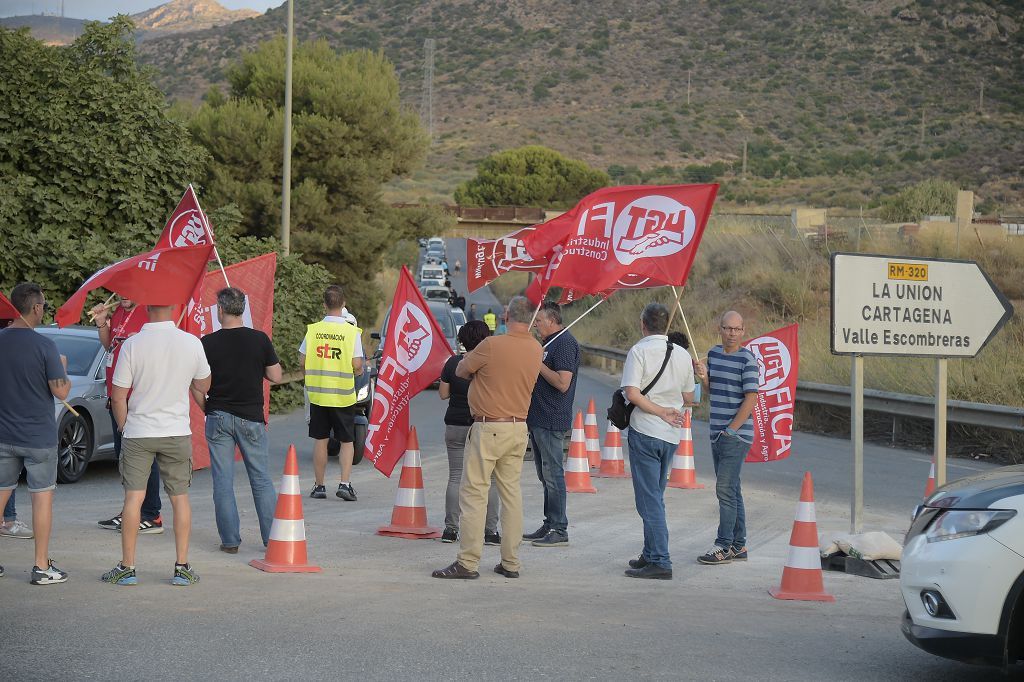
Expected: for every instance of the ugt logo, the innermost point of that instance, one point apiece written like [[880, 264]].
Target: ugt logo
[[328, 352], [187, 230], [413, 336], [773, 361], [650, 227]]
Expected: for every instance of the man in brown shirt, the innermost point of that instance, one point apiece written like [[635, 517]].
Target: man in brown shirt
[[503, 370]]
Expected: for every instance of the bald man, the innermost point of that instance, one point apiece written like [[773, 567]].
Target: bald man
[[731, 376]]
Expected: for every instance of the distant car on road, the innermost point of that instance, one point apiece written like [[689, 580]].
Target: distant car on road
[[88, 437], [431, 272], [962, 572], [436, 293]]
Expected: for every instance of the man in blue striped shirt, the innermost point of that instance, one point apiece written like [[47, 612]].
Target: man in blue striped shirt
[[731, 375]]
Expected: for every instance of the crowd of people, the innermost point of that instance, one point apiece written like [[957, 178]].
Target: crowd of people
[[508, 389]]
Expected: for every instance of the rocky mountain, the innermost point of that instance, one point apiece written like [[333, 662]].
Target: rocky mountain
[[836, 101], [52, 30], [179, 16]]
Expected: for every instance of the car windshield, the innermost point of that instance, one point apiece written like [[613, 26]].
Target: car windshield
[[443, 318], [79, 350], [438, 294]]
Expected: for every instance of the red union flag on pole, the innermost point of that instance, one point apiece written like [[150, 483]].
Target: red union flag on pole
[[187, 226], [415, 350], [160, 277], [625, 236], [778, 360], [487, 259]]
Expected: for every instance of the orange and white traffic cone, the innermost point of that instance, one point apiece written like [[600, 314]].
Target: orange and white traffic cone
[[286, 549], [613, 464], [683, 474], [577, 466], [801, 576], [929, 487], [409, 517], [592, 435]]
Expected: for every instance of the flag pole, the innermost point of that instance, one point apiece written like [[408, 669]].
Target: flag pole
[[535, 312], [106, 304], [565, 329], [206, 225], [689, 334], [672, 314]]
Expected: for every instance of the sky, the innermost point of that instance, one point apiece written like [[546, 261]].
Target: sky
[[104, 9]]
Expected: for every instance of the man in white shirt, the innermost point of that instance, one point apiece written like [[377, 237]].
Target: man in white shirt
[[654, 432], [150, 401]]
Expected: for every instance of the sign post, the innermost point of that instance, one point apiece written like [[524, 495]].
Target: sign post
[[913, 307]]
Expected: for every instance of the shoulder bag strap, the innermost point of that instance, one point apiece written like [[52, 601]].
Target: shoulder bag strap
[[668, 354]]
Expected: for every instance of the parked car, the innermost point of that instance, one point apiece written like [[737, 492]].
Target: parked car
[[962, 572], [89, 436], [435, 242], [436, 293], [431, 272]]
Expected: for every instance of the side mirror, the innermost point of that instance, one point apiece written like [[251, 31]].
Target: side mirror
[[375, 336]]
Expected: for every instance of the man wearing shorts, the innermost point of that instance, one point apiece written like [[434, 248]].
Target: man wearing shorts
[[150, 399], [33, 375], [332, 357]]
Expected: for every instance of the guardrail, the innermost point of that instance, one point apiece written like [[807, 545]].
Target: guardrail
[[895, 404]]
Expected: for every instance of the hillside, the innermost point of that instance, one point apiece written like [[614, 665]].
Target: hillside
[[878, 93], [180, 16], [49, 29]]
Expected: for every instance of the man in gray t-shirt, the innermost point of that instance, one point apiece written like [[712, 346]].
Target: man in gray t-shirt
[[34, 375]]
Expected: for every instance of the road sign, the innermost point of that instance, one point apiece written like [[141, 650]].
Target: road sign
[[889, 305]]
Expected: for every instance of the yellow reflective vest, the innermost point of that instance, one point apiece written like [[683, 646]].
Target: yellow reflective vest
[[491, 320], [329, 350]]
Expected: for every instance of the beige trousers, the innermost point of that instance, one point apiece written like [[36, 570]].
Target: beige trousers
[[498, 448]]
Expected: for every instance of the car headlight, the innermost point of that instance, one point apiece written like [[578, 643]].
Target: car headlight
[[962, 523]]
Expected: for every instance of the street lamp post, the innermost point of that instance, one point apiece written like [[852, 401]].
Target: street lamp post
[[286, 170]]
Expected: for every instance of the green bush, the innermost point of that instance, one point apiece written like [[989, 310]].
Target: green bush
[[929, 197]]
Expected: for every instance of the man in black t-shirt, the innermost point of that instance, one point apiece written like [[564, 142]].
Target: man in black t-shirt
[[240, 359]]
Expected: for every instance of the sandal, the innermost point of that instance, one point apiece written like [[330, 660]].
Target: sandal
[[455, 572]]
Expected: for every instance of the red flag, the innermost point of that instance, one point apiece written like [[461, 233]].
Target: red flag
[[615, 233], [256, 278], [487, 259], [415, 350], [7, 309], [778, 360], [160, 277], [187, 226]]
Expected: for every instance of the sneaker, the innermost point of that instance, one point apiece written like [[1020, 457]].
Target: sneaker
[[638, 562], [16, 529], [111, 524], [492, 538], [346, 492], [651, 572], [554, 538], [738, 554], [1, 571], [319, 492], [184, 575], [716, 555], [154, 527], [51, 575], [450, 535], [120, 575], [537, 534]]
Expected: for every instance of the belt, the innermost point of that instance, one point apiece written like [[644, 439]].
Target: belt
[[498, 419]]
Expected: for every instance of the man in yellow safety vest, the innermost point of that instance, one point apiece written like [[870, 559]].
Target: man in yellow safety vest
[[491, 320], [330, 370]]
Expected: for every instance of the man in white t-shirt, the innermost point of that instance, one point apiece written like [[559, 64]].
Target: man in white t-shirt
[[150, 402], [654, 432]]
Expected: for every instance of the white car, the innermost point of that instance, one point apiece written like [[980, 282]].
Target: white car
[[962, 573]]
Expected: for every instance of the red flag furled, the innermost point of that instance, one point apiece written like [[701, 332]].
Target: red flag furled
[[160, 277], [7, 309], [415, 350], [625, 236], [256, 278], [778, 360], [487, 259], [187, 226]]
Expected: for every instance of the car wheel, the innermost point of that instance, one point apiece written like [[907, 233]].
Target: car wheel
[[74, 447], [359, 443]]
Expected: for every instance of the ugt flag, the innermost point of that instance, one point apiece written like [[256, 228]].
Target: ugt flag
[[256, 278], [778, 359], [415, 350], [487, 259], [160, 277], [7, 309], [187, 226], [625, 236]]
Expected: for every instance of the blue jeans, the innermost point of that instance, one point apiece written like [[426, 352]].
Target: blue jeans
[[650, 460], [223, 432], [547, 456], [10, 513], [151, 502], [729, 452]]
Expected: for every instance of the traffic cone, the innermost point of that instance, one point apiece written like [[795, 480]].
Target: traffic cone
[[683, 474], [593, 436], [612, 463], [577, 467], [286, 550], [409, 517], [929, 488], [801, 576]]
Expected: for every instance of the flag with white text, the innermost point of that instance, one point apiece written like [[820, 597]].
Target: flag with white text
[[778, 360]]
